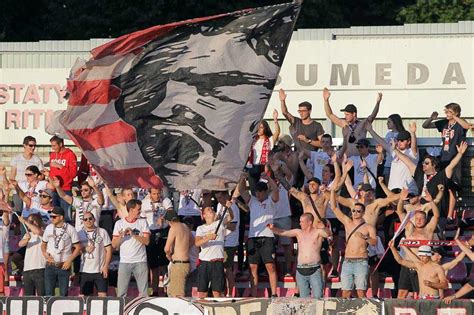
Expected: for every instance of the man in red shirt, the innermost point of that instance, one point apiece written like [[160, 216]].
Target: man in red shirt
[[63, 165]]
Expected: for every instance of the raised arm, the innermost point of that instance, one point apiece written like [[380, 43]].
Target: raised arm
[[413, 143], [329, 114], [276, 132], [241, 189], [403, 197], [462, 122], [428, 123], [462, 147], [379, 139], [301, 196], [284, 109], [399, 259], [451, 264], [98, 192], [375, 111], [339, 214], [306, 171], [57, 185], [431, 226], [384, 187], [380, 155], [274, 191], [33, 228], [405, 159], [465, 249]]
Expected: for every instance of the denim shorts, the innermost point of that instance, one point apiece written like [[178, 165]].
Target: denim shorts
[[354, 271]]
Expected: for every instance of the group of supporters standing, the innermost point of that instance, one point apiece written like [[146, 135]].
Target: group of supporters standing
[[196, 238]]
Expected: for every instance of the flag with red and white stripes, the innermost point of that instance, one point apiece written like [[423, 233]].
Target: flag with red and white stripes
[[178, 104]]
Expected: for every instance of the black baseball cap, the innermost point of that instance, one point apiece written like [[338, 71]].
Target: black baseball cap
[[350, 108], [403, 135], [57, 211]]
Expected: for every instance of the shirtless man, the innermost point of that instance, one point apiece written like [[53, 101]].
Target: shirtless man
[[437, 256], [359, 235], [320, 198], [431, 276], [177, 251], [419, 229], [372, 205], [350, 125], [308, 270]]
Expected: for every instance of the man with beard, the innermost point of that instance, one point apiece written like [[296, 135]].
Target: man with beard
[[419, 229], [431, 277]]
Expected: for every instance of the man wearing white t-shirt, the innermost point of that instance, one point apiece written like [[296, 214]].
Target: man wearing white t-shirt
[[96, 256], [211, 241], [20, 162], [400, 176], [59, 240], [85, 203], [154, 207], [260, 247], [35, 263], [131, 235], [365, 164], [231, 241]]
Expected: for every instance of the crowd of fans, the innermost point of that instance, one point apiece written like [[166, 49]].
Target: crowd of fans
[[331, 212]]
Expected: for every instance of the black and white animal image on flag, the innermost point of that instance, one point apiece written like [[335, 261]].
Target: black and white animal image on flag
[[178, 104]]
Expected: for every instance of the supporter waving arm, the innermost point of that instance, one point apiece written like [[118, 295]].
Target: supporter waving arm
[[327, 108]]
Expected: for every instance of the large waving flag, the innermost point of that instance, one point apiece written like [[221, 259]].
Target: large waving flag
[[178, 104]]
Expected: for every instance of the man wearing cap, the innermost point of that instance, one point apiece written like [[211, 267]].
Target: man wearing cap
[[365, 163], [60, 247], [400, 176], [43, 208], [211, 241], [260, 244], [351, 125], [177, 247], [359, 235], [431, 276], [305, 130], [131, 235]]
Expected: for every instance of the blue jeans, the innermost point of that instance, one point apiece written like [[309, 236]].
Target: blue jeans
[[312, 282], [354, 271], [52, 275], [59, 202], [140, 272]]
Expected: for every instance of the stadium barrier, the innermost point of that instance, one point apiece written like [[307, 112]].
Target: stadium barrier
[[253, 306]]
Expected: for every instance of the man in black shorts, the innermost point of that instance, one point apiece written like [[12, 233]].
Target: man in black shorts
[[210, 237], [95, 258], [260, 244]]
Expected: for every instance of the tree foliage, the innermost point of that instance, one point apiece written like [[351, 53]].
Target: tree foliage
[[437, 11], [32, 20]]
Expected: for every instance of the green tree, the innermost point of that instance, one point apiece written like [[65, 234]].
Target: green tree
[[437, 11]]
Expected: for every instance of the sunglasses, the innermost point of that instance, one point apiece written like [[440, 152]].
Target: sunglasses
[[85, 190], [355, 210], [88, 219], [31, 145], [54, 216], [45, 196], [29, 174], [360, 146]]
